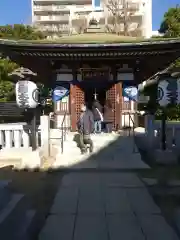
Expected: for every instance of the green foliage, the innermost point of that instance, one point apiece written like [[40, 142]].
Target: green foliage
[[20, 31], [7, 89], [6, 67], [170, 25], [172, 112], [16, 31], [176, 63]]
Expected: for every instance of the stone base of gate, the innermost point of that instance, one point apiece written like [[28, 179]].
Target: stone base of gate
[[166, 157], [20, 158]]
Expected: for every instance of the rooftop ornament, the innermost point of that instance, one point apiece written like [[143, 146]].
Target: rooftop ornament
[[22, 73], [93, 22]]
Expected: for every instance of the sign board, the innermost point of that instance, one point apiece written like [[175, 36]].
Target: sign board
[[130, 93], [59, 93], [27, 94], [95, 73], [168, 92]]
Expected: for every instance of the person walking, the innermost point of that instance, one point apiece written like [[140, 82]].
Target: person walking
[[98, 116], [108, 116], [85, 128]]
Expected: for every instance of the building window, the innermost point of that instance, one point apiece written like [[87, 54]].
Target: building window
[[96, 3]]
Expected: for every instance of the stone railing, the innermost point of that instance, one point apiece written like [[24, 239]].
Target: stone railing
[[16, 135], [149, 140], [16, 144], [172, 133]]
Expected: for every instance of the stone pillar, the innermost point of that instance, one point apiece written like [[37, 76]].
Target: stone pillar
[[149, 125], [45, 135], [151, 133]]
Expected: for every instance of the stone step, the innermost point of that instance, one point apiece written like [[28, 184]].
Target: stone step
[[13, 218], [71, 149], [9, 208], [5, 194], [8, 161], [95, 141], [24, 230], [70, 146], [75, 162], [97, 138]]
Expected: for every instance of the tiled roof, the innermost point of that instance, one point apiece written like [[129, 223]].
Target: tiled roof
[[10, 109], [90, 50]]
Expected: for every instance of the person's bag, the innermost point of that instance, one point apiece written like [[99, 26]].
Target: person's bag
[[80, 123], [100, 114]]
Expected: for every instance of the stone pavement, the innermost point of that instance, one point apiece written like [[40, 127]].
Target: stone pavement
[[111, 151], [104, 206]]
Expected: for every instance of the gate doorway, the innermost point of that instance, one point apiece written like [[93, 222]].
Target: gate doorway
[[94, 92], [85, 93]]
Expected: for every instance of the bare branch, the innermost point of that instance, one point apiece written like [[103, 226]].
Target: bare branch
[[80, 24], [119, 16]]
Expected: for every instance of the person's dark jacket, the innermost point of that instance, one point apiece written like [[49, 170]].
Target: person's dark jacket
[[86, 123], [96, 105], [108, 114]]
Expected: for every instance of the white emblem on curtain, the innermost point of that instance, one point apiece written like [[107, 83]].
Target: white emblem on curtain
[[168, 92]]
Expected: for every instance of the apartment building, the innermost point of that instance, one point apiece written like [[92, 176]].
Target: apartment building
[[59, 17]]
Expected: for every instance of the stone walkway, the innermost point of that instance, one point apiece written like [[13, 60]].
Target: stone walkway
[[111, 152], [105, 206]]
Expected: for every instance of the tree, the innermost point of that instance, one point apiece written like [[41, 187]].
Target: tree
[[120, 13], [16, 31], [7, 88], [20, 31], [80, 24], [170, 25]]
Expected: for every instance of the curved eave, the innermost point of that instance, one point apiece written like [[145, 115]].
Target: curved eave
[[55, 50], [169, 72]]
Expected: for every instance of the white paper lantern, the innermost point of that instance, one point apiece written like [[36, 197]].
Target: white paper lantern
[[163, 93], [27, 94]]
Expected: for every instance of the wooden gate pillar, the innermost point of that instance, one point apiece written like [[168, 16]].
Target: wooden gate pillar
[[118, 105], [115, 95], [76, 100], [73, 106], [111, 95]]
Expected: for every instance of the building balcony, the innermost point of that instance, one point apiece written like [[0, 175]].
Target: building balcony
[[50, 8], [47, 1], [64, 18], [132, 6], [60, 3], [53, 30], [60, 28]]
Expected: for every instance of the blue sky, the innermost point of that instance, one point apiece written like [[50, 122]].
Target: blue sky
[[19, 11]]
